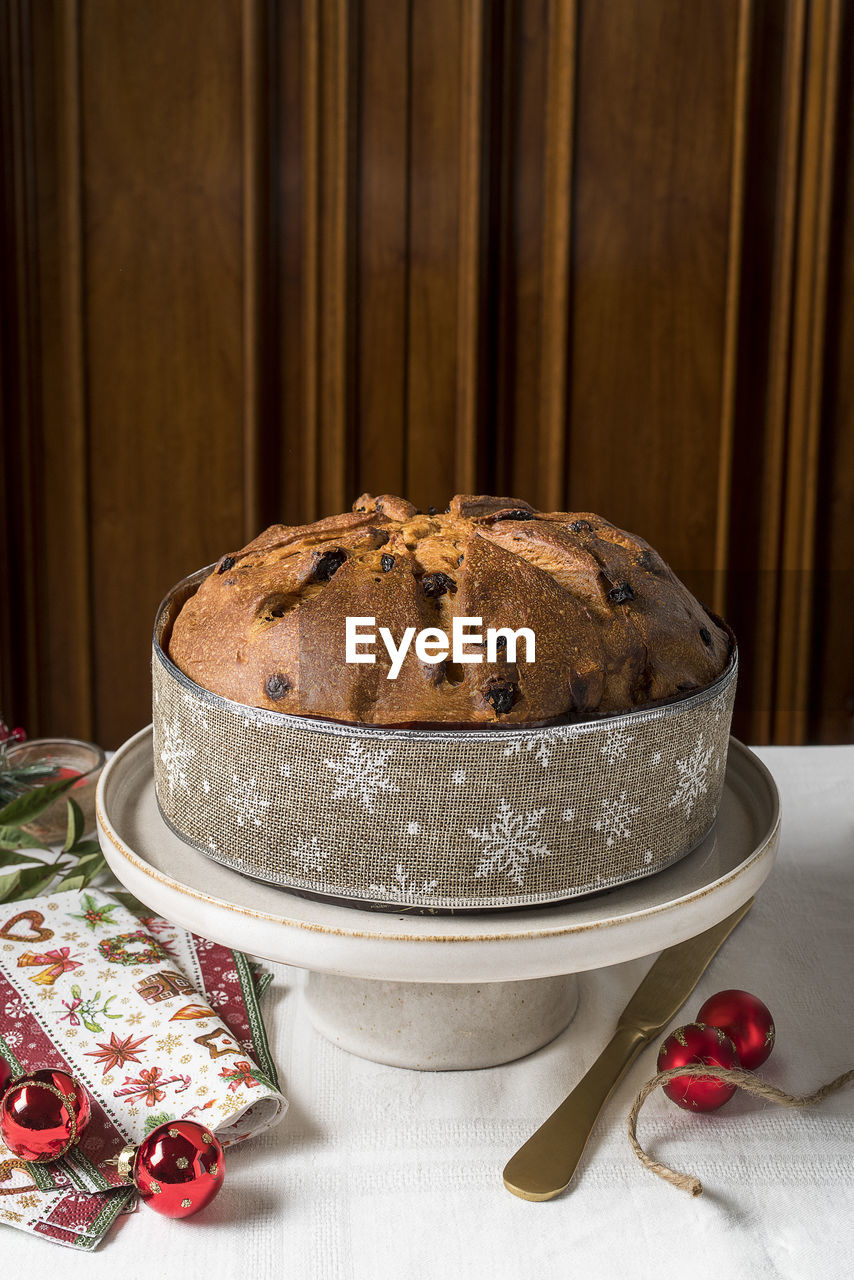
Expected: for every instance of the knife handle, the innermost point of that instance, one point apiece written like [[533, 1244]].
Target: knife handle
[[544, 1166]]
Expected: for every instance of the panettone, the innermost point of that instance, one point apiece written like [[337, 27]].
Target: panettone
[[615, 628]]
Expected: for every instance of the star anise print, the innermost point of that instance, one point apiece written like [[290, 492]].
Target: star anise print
[[118, 1052], [153, 924]]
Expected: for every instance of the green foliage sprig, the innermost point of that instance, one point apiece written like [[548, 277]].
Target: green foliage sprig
[[73, 867], [16, 780]]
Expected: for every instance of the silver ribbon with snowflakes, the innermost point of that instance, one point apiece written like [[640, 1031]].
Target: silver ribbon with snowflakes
[[438, 819]]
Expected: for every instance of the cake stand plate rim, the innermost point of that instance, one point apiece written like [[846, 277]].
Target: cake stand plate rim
[[309, 933]]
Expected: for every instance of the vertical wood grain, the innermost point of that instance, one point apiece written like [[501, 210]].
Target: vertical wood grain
[[768, 493], [831, 695], [810, 308], [311, 182], [330, 60], [520, 389], [718, 595], [470, 292], [432, 351], [261, 255], [19, 386], [65, 513], [557, 226], [652, 219], [47, 659], [383, 247], [339, 23], [499, 299], [255, 187], [163, 294], [287, 499]]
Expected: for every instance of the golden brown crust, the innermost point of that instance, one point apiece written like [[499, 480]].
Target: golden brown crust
[[615, 628]]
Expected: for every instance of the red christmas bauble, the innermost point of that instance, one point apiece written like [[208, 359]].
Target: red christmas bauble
[[747, 1022], [5, 1075], [698, 1045], [179, 1168], [43, 1114]]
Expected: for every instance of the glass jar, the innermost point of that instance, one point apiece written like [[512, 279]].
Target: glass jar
[[68, 756]]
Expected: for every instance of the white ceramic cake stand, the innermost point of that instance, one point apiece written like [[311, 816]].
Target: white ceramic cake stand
[[438, 992]]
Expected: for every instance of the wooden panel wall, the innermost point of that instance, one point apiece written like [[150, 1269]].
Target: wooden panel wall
[[262, 255]]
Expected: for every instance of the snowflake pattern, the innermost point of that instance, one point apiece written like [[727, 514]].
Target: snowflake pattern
[[719, 704], [169, 1043], [175, 755], [540, 746], [403, 888], [510, 843], [362, 775], [246, 801], [310, 854], [499, 832], [616, 820], [250, 723], [197, 711], [692, 781], [616, 743]]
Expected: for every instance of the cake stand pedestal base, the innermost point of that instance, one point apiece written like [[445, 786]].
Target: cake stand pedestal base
[[440, 1026]]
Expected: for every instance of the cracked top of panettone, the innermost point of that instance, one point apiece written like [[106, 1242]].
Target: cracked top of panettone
[[615, 628]]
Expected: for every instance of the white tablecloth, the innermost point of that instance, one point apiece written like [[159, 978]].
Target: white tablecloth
[[378, 1172]]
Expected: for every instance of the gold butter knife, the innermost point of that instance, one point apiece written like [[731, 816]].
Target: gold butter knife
[[544, 1166]]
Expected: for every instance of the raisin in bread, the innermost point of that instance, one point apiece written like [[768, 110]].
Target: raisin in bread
[[615, 628]]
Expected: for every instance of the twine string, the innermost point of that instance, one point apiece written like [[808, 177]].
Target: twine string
[[730, 1075]]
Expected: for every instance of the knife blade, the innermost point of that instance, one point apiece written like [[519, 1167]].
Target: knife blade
[[544, 1166]]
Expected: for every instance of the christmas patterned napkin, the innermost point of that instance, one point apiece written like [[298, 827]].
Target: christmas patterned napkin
[[156, 1023]]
